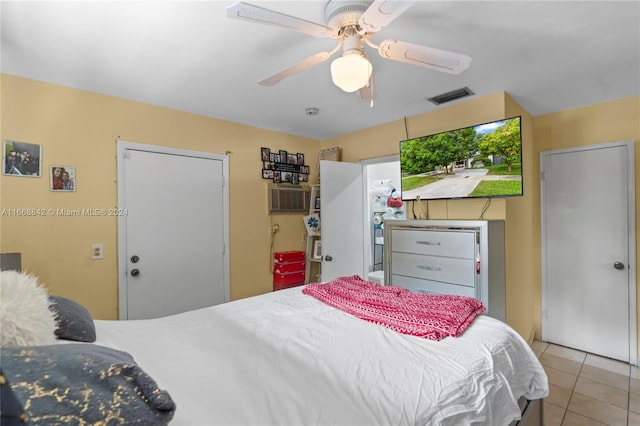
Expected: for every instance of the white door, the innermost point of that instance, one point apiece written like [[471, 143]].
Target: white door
[[173, 236], [588, 249], [342, 222]]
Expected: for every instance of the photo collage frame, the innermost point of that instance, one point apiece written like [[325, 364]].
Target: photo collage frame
[[281, 166]]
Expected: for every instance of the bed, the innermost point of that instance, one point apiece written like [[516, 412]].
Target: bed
[[286, 358]]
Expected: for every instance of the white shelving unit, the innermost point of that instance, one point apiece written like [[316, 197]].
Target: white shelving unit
[[314, 264]]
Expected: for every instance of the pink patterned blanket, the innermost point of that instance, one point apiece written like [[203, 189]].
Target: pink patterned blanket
[[432, 316]]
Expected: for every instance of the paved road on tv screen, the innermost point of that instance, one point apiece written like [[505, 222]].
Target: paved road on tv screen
[[460, 184]]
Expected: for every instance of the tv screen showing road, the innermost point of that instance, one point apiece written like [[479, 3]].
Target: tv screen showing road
[[478, 161]]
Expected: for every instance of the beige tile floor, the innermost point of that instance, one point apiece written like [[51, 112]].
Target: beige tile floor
[[586, 389]]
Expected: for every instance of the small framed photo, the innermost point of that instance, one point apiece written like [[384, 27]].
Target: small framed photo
[[317, 249], [283, 156], [266, 154], [21, 159], [276, 177], [300, 158], [316, 204], [272, 157], [292, 159], [267, 174], [62, 178], [276, 158]]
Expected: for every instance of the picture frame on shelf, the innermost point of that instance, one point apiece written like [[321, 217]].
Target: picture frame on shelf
[[312, 223], [316, 203], [317, 249]]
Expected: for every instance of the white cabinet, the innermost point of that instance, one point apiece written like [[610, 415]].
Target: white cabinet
[[461, 257]]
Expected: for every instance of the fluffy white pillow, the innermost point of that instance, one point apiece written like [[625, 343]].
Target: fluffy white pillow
[[25, 317]]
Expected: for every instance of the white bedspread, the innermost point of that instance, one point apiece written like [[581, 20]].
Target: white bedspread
[[285, 358]]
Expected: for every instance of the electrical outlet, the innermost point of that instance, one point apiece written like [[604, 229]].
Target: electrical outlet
[[97, 251]]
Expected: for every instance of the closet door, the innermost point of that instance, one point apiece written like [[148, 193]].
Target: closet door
[[588, 249], [172, 238]]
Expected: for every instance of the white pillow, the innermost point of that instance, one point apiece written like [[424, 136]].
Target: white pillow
[[25, 317]]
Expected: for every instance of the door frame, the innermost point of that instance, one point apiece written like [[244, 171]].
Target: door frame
[[122, 148], [631, 220], [366, 163]]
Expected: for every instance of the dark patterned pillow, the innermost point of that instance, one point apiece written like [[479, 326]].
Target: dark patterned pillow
[[83, 384], [74, 320]]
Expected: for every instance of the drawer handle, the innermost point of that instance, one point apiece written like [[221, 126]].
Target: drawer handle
[[429, 268], [429, 243]]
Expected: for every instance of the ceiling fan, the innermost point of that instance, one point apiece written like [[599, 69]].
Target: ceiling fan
[[352, 23]]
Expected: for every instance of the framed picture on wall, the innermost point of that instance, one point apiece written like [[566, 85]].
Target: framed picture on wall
[[21, 159], [265, 154], [62, 178]]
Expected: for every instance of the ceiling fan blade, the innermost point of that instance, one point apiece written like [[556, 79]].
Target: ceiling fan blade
[[428, 57], [251, 13], [295, 69], [367, 93], [381, 13]]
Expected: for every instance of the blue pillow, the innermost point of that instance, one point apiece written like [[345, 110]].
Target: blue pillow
[[83, 383], [74, 320]]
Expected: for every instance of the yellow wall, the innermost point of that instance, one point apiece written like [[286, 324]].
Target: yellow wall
[[78, 128]]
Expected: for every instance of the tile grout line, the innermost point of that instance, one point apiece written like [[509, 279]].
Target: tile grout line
[[573, 391]]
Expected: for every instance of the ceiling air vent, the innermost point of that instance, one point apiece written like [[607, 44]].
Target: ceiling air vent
[[451, 96], [287, 198]]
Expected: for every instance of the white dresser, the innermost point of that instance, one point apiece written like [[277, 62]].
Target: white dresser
[[462, 257]]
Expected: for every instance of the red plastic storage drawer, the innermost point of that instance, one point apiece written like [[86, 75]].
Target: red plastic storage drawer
[[285, 268], [283, 286], [289, 256], [290, 278]]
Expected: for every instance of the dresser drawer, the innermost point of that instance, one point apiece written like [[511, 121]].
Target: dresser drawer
[[437, 243], [443, 269], [416, 285]]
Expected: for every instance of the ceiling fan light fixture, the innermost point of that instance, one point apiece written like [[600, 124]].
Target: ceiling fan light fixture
[[351, 71]]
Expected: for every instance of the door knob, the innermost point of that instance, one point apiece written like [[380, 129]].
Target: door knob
[[135, 272], [618, 265], [328, 258]]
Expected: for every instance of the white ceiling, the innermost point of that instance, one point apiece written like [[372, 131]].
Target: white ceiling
[[548, 55]]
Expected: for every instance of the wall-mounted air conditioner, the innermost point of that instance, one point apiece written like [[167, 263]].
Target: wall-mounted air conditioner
[[287, 198]]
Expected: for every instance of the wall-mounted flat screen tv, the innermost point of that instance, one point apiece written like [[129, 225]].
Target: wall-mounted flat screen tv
[[484, 160]]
